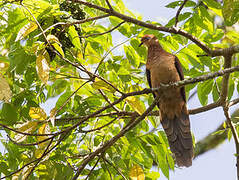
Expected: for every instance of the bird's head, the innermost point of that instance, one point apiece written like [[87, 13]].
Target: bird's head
[[148, 40]]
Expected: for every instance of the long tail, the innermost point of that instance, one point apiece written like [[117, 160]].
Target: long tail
[[179, 138]]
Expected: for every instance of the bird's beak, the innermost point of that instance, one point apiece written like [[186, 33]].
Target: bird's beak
[[141, 44]]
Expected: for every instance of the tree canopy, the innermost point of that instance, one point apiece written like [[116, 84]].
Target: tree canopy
[[74, 101]]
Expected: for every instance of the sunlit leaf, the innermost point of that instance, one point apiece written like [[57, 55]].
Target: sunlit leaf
[[58, 48], [3, 66], [135, 104], [42, 67], [230, 11], [74, 37], [52, 39], [28, 127], [44, 129], [37, 113], [23, 174], [5, 91], [26, 30], [229, 134], [100, 84], [136, 173], [53, 116]]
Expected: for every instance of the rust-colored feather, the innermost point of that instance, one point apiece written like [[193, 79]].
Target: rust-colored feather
[[163, 67]]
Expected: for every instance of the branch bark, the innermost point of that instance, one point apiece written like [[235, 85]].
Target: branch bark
[[210, 52], [178, 12]]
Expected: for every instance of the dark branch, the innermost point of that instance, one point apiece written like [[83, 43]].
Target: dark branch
[[109, 5], [98, 34], [218, 52], [178, 12]]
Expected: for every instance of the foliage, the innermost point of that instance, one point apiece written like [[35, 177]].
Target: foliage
[[82, 69]]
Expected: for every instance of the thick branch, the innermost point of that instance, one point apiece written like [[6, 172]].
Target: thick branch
[[223, 98], [225, 80], [219, 52], [235, 135], [147, 25]]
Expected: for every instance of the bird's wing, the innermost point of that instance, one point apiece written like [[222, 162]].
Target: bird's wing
[[180, 72], [149, 79]]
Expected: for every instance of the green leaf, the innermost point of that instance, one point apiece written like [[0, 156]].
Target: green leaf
[[174, 4], [231, 88], [58, 48], [74, 37], [9, 113], [219, 132], [153, 175], [215, 93], [62, 99], [4, 168], [203, 89], [133, 58], [170, 161], [229, 134], [100, 84], [213, 4], [230, 11], [18, 58]]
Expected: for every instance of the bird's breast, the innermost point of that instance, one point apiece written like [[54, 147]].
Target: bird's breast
[[163, 72]]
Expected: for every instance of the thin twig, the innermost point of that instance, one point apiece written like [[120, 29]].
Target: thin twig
[[92, 168], [39, 160], [107, 100], [235, 135], [107, 168], [107, 53], [23, 133], [99, 34], [30, 144], [233, 102], [118, 170], [73, 23], [178, 12], [68, 99], [99, 128], [108, 3]]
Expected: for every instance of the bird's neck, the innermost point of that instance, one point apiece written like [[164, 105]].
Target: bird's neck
[[154, 50]]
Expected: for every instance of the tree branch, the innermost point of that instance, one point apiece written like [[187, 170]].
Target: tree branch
[[178, 12], [109, 5], [98, 34], [214, 138], [218, 52], [147, 25], [235, 135], [73, 23]]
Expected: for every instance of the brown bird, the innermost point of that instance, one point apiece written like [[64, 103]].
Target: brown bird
[[163, 67]]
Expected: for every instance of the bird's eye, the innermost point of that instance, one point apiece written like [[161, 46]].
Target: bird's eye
[[146, 38]]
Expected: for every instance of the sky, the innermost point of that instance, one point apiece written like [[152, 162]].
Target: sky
[[219, 163]]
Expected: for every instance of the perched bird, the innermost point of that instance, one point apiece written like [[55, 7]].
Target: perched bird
[[163, 67]]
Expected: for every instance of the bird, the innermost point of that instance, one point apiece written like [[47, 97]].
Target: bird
[[163, 67]]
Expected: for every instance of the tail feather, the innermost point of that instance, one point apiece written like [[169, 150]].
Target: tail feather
[[179, 138]]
